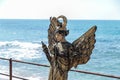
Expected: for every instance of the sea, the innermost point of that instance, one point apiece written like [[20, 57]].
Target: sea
[[20, 39]]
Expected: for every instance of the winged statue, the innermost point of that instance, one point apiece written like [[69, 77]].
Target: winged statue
[[63, 55]]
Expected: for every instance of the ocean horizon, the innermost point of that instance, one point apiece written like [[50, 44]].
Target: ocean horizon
[[20, 39]]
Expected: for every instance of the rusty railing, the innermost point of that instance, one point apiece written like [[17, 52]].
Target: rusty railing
[[79, 71]]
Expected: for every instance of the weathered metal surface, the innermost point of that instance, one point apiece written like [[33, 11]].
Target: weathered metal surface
[[10, 70]]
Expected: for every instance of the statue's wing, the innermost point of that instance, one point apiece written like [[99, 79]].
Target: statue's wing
[[51, 33], [84, 46], [51, 30]]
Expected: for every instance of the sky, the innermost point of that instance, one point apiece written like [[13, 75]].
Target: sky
[[72, 9]]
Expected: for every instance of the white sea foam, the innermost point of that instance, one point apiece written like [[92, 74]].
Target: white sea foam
[[20, 50], [2, 77], [36, 78]]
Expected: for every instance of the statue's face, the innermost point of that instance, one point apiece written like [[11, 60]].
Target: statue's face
[[59, 37]]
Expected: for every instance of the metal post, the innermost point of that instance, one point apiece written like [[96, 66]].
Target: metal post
[[10, 68]]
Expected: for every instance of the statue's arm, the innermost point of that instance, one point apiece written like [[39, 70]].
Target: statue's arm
[[45, 49]]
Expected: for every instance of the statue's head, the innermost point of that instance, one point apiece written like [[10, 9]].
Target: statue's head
[[62, 28], [59, 24]]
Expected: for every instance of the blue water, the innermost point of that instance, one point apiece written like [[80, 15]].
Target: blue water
[[20, 39]]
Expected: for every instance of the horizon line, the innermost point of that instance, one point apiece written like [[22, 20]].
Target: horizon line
[[48, 19]]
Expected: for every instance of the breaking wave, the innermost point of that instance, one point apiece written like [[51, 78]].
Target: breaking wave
[[20, 50], [24, 51]]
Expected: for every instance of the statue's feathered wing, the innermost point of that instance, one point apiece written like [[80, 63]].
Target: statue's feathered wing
[[51, 32], [84, 46]]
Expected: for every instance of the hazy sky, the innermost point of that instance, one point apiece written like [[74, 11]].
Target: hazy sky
[[72, 9]]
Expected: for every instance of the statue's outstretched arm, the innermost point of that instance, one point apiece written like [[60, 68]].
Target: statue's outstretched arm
[[45, 49]]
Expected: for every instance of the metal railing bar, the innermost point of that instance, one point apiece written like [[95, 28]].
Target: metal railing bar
[[13, 76], [4, 58], [98, 74], [26, 62], [30, 63], [10, 68]]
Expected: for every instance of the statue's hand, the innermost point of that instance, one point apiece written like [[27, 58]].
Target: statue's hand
[[45, 49]]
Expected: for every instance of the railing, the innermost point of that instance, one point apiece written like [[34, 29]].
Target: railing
[[79, 71]]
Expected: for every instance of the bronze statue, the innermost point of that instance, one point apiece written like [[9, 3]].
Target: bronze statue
[[63, 55]]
